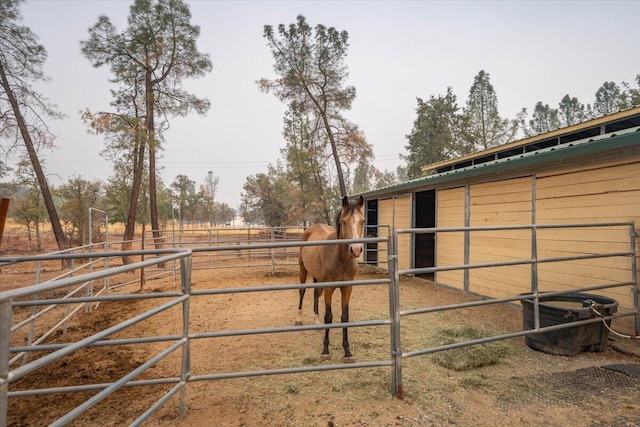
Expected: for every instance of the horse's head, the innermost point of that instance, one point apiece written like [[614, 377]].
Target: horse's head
[[350, 224]]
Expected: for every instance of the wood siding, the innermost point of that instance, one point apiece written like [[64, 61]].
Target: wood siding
[[395, 213], [385, 222], [597, 194], [610, 193], [499, 203]]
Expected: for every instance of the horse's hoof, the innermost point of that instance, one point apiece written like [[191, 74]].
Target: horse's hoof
[[298, 323], [325, 357], [349, 360]]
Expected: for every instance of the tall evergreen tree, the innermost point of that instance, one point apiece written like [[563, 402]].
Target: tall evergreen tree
[[155, 54], [312, 73], [78, 196], [210, 188], [545, 119], [609, 99], [571, 111], [22, 109], [435, 133], [303, 153], [269, 196], [29, 210], [125, 146], [486, 128], [183, 190], [362, 178], [633, 93]]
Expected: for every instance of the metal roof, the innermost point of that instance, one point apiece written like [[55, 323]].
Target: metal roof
[[588, 146]]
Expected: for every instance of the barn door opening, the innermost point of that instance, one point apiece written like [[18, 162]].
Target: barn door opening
[[425, 217], [371, 249]]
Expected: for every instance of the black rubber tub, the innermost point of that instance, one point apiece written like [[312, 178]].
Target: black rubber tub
[[560, 309]]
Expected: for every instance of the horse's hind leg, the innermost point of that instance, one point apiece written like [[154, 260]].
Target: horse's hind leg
[[316, 297], [303, 279], [299, 315]]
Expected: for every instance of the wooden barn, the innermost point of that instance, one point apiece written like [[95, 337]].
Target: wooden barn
[[588, 173]]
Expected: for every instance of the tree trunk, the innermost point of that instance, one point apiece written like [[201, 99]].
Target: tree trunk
[[61, 239], [334, 149], [336, 157], [151, 132], [130, 226], [4, 208]]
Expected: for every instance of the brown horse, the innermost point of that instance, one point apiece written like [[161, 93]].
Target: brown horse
[[333, 263]]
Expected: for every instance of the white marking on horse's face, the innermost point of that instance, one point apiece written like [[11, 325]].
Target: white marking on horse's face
[[355, 231]]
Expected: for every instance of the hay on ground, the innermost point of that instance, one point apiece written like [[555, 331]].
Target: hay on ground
[[468, 357]]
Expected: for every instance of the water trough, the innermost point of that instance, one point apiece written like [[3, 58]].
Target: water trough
[[561, 309]]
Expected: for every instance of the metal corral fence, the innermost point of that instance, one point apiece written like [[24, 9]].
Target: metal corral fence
[[242, 247], [72, 287], [534, 261], [60, 294], [257, 256]]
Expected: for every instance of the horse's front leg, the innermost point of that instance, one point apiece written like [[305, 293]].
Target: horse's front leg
[[346, 295], [328, 319]]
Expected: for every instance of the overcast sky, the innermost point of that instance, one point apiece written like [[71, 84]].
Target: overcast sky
[[399, 50]]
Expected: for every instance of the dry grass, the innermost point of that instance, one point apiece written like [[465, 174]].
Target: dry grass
[[469, 357]]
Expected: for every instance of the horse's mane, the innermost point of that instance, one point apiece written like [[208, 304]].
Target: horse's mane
[[338, 223], [349, 209]]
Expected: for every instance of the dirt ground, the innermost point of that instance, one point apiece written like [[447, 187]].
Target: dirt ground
[[526, 387]]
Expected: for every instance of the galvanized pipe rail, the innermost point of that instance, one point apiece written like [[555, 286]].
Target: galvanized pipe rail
[[184, 298], [533, 261], [285, 287], [8, 301], [228, 237]]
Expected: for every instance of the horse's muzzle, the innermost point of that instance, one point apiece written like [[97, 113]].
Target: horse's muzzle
[[355, 250]]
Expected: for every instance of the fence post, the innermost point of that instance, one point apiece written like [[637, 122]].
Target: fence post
[[394, 314], [272, 252], [32, 322], [534, 276], [634, 275], [210, 243], [185, 274], [5, 333]]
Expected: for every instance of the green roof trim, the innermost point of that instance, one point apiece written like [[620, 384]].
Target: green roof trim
[[591, 146]]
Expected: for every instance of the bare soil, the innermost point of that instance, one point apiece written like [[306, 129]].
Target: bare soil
[[525, 387]]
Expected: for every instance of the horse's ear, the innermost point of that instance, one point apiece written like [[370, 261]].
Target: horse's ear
[[345, 202], [360, 202]]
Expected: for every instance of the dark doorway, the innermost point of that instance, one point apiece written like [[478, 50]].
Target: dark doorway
[[371, 230], [425, 217]]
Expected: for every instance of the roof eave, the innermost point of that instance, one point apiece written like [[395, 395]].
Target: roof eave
[[505, 165]]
